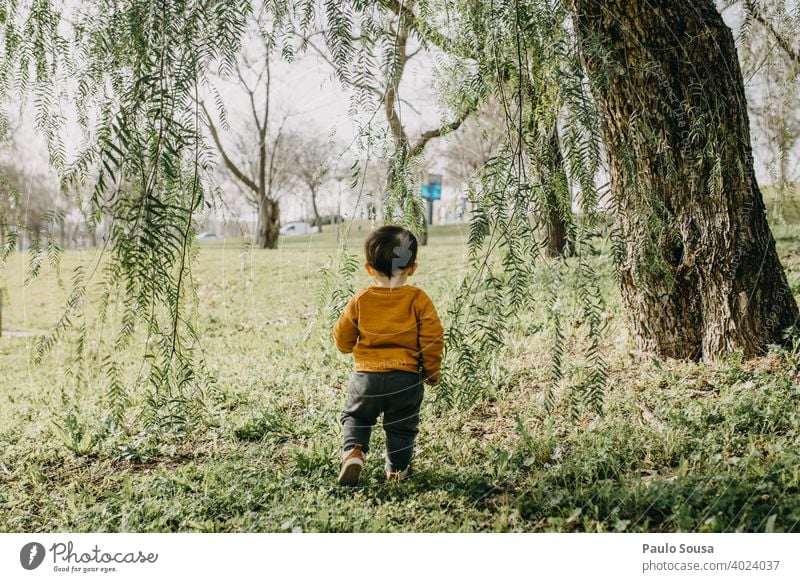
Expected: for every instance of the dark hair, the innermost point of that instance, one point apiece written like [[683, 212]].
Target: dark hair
[[391, 249]]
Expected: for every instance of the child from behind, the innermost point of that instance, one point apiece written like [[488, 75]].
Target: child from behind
[[396, 339]]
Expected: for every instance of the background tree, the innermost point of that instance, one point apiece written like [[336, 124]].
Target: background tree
[[312, 165], [467, 151], [372, 181], [30, 206], [266, 154]]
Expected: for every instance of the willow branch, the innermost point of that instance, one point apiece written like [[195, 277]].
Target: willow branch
[[790, 51], [427, 32]]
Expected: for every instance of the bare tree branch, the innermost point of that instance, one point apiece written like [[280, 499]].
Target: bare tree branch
[[423, 140], [229, 163], [251, 92]]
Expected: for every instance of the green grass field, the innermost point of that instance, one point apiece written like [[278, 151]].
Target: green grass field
[[680, 446]]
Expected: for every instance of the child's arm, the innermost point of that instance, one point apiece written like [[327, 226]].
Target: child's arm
[[431, 339], [345, 332]]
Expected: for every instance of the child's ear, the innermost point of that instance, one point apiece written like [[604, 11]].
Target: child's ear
[[411, 269], [369, 269]]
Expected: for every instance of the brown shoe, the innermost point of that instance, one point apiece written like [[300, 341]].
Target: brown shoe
[[352, 464], [399, 475]]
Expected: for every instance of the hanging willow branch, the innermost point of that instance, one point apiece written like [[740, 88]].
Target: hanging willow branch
[[135, 71], [521, 53]]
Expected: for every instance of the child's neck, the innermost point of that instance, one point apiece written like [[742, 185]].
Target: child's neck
[[393, 283]]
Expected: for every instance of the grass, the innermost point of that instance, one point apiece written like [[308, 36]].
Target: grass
[[680, 446]]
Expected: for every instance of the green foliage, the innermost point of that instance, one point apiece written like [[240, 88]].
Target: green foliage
[[531, 65], [336, 286], [592, 308], [134, 71], [74, 434], [471, 368], [269, 424]]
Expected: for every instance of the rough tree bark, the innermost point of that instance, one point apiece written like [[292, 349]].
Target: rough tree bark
[[552, 161], [269, 225], [699, 274]]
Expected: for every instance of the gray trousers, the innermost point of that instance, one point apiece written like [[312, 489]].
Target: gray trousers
[[396, 394]]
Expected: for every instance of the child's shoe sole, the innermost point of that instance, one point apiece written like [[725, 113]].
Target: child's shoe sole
[[351, 472]]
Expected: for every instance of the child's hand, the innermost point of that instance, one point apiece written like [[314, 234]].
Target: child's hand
[[432, 380]]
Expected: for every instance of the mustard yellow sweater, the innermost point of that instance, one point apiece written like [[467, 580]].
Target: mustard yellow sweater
[[392, 329]]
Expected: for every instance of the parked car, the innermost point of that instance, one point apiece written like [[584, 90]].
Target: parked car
[[293, 228], [207, 236]]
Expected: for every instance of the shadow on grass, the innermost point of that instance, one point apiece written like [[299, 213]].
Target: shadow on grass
[[468, 487]]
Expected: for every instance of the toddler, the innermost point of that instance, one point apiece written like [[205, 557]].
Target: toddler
[[396, 339]]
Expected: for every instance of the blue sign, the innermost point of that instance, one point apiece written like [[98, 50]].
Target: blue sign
[[432, 190]]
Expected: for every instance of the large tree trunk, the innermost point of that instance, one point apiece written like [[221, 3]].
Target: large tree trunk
[[557, 203], [556, 235], [268, 224], [699, 274]]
